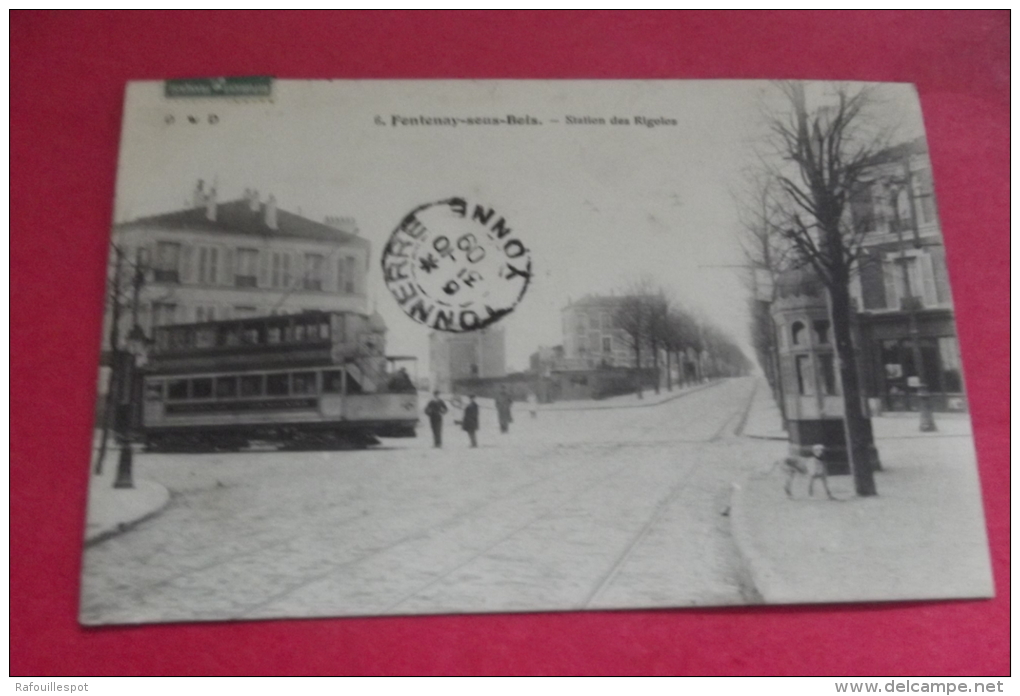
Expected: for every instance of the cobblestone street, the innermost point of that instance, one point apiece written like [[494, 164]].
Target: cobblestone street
[[573, 509]]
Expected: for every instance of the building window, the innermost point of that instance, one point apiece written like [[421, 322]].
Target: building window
[[862, 209], [827, 373], [797, 332], [205, 314], [314, 267], [163, 313], [822, 331], [920, 279], [168, 260], [281, 270], [243, 311], [247, 268], [607, 344], [351, 281], [924, 195], [208, 262], [805, 383]]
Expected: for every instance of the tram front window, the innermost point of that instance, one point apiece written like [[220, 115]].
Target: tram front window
[[304, 383], [201, 388], [278, 384], [332, 381], [177, 389], [226, 387], [251, 385]]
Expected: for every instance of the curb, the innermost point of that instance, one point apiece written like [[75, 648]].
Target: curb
[[649, 405], [751, 567], [739, 430], [100, 535]]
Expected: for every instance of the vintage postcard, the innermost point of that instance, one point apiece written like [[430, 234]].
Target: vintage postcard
[[420, 347]]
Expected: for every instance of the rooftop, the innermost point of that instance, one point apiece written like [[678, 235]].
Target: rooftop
[[239, 217]]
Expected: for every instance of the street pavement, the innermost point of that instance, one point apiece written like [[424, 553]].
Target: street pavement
[[607, 508]]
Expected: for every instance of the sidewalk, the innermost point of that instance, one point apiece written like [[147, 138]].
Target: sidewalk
[[922, 537], [764, 421], [114, 510], [650, 398]]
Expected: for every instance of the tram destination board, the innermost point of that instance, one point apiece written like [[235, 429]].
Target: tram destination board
[[407, 347]]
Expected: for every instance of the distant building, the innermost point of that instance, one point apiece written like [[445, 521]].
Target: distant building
[[902, 233], [474, 354], [591, 337], [234, 259]]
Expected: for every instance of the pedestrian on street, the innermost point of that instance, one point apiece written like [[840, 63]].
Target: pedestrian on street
[[503, 402], [470, 420], [533, 404], [435, 410]]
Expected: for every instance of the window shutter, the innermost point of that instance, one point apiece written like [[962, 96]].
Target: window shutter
[[187, 265], [228, 267], [299, 270], [938, 263], [889, 275], [928, 280], [327, 275], [263, 268]]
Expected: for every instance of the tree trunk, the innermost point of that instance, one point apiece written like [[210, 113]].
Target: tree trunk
[[859, 441], [655, 366], [669, 374], [637, 366]]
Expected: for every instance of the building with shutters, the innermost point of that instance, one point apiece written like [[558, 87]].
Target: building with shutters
[[473, 355], [902, 267], [223, 260]]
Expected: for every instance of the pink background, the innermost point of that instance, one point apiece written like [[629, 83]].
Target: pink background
[[67, 80]]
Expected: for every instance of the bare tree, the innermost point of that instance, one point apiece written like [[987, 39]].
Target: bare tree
[[658, 328], [634, 316], [826, 151]]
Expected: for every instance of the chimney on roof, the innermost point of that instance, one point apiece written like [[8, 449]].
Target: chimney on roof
[[271, 212], [253, 200], [210, 205], [198, 197]]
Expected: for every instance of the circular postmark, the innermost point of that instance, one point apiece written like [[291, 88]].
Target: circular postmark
[[456, 266]]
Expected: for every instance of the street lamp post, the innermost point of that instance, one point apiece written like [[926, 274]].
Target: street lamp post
[[127, 411], [895, 187]]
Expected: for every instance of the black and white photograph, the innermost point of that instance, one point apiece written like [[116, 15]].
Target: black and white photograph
[[443, 347]]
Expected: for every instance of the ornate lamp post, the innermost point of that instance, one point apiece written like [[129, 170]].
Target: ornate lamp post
[[130, 403]]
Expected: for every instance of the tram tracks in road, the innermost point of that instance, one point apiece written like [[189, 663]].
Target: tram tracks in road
[[606, 452], [663, 506], [606, 578]]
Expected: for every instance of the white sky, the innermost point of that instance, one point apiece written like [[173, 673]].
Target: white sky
[[597, 206]]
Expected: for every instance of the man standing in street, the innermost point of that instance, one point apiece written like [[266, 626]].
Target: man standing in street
[[503, 402], [435, 410], [470, 422]]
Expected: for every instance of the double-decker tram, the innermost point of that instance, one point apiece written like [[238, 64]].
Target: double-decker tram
[[313, 380]]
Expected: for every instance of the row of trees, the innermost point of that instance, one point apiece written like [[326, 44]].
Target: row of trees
[[658, 328], [822, 146]]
